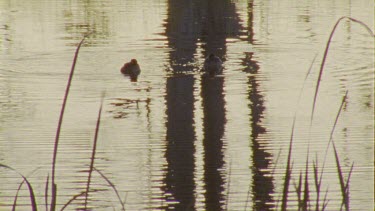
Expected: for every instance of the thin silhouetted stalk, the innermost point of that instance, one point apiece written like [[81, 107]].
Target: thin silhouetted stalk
[[326, 53], [347, 182], [276, 162], [325, 201], [288, 169], [46, 193], [344, 186], [306, 191], [72, 199], [16, 197], [113, 187], [299, 190], [341, 178], [58, 130], [93, 151], [31, 191], [321, 72], [317, 184], [284, 201]]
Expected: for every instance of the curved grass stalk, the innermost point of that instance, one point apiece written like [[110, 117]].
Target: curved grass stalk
[[319, 180], [288, 170], [58, 130], [46, 193], [16, 197], [31, 191], [113, 187], [94, 150], [326, 54], [72, 199]]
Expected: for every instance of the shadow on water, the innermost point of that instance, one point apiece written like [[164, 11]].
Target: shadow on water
[[180, 143], [213, 122], [189, 22], [219, 22], [262, 186], [182, 38]]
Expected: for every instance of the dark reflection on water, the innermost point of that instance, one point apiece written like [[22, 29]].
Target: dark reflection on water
[[213, 122], [179, 181], [182, 28], [180, 143], [263, 185], [219, 22], [210, 23], [262, 182]]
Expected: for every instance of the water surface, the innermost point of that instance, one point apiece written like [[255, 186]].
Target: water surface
[[176, 140]]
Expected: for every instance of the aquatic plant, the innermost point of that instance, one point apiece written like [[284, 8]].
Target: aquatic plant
[[344, 184], [52, 205], [58, 130]]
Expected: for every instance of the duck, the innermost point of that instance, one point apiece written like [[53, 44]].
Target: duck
[[213, 65], [131, 68]]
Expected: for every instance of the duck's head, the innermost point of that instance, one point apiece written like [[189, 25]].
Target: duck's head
[[211, 56], [134, 61]]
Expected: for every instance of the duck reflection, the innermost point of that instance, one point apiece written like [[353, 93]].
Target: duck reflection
[[219, 22], [262, 187]]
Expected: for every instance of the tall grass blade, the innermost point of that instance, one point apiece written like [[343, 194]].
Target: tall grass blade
[[113, 187], [346, 190], [93, 152], [16, 197], [306, 191], [320, 76], [276, 162], [326, 53], [299, 190], [54, 186], [341, 179], [347, 181], [284, 200], [325, 201], [287, 178], [72, 199], [317, 184], [345, 201], [46, 193], [31, 191]]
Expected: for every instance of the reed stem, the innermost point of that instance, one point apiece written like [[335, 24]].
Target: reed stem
[[58, 130]]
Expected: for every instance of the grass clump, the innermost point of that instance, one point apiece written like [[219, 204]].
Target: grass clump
[[302, 186], [51, 181]]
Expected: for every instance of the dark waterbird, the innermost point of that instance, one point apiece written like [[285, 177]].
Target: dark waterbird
[[132, 69], [213, 65]]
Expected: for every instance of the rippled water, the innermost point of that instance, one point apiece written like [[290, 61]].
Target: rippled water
[[175, 140]]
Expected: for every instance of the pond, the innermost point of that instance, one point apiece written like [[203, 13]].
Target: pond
[[175, 139]]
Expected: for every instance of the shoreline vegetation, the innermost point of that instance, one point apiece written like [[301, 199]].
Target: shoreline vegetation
[[302, 187]]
